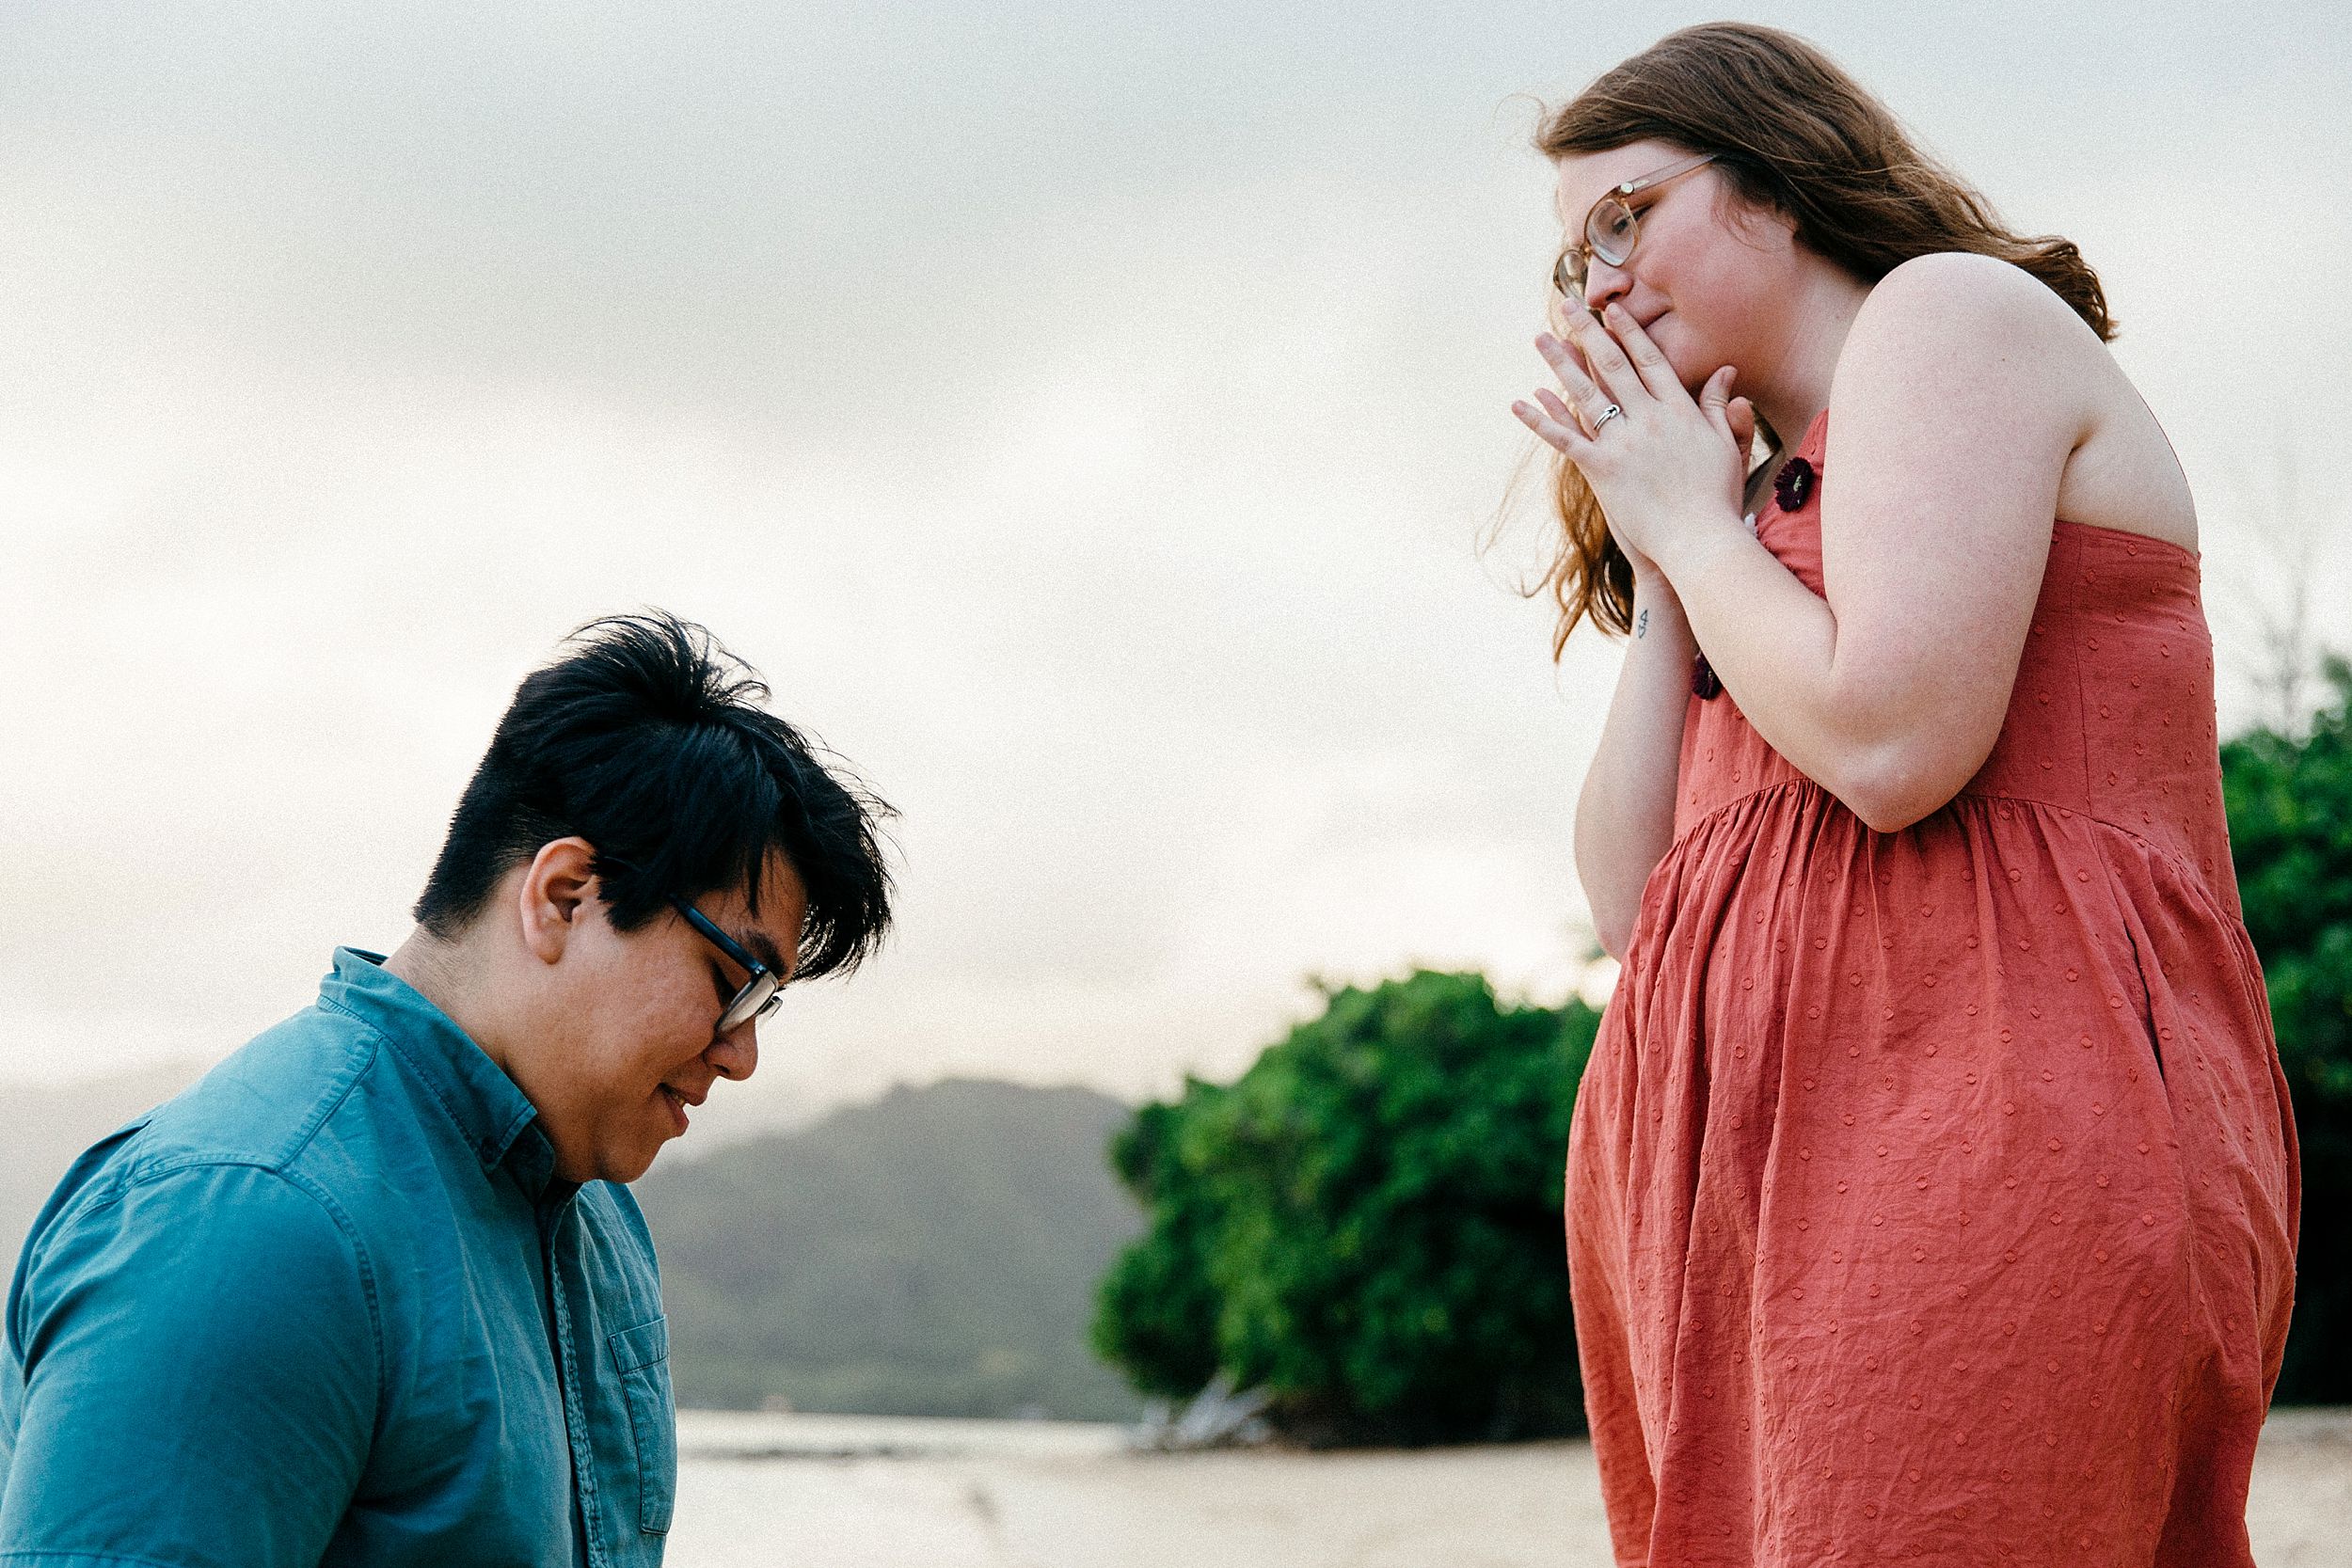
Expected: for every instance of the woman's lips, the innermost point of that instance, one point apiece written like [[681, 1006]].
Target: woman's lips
[[677, 1102]]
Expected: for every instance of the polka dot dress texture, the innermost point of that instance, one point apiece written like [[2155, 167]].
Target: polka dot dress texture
[[1931, 1195]]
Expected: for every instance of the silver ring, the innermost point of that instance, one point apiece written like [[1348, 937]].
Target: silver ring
[[1605, 416]]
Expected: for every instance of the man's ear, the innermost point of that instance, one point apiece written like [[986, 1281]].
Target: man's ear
[[556, 888]]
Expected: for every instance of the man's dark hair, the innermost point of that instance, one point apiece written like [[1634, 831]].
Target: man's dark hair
[[649, 742]]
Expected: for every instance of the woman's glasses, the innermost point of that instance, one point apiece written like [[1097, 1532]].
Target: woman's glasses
[[1611, 229]]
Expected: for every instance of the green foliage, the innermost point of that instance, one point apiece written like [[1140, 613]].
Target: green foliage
[[2289, 806], [930, 1254], [1367, 1224]]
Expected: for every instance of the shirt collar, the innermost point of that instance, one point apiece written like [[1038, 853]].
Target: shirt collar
[[488, 1109]]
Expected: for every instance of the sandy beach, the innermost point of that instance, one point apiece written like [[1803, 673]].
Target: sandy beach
[[850, 1492]]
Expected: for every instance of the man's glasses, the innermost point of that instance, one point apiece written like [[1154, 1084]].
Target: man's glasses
[[1611, 229], [761, 993]]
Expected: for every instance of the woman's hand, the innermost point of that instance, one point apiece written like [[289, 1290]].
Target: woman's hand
[[1667, 471]]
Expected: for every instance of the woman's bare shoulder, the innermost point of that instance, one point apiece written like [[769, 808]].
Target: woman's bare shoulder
[[1956, 331], [1970, 353], [1982, 298], [1958, 350]]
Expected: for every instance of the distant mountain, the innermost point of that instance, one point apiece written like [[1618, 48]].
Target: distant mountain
[[934, 1252]]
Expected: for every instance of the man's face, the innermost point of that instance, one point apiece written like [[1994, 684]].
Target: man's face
[[635, 1045]]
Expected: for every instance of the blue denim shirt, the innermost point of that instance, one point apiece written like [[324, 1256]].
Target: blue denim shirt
[[330, 1306]]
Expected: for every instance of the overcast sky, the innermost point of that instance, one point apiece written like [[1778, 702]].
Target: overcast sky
[[1086, 417]]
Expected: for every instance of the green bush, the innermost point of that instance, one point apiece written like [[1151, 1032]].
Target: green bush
[[2290, 805], [1367, 1225]]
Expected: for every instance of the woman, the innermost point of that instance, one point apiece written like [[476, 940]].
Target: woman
[[1932, 1190]]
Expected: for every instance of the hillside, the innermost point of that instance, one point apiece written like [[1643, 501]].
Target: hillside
[[934, 1252]]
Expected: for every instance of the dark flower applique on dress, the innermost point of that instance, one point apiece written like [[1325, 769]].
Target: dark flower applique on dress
[[1792, 487], [1794, 484], [1703, 682]]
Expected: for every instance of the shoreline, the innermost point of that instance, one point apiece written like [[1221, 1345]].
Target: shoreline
[[880, 1492]]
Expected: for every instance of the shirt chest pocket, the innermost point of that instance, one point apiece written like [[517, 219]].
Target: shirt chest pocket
[[641, 1357]]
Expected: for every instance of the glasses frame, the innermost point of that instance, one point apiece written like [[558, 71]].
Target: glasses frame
[[762, 990], [1571, 286], [759, 995]]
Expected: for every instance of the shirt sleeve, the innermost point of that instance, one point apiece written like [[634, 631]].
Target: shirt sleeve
[[199, 1374]]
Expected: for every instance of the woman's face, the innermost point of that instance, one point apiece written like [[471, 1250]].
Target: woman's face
[[1707, 271]]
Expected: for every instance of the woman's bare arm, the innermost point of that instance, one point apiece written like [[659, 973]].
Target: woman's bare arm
[[1961, 392], [1952, 418], [1625, 817]]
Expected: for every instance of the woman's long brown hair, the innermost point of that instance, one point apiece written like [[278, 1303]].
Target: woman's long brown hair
[[1792, 133]]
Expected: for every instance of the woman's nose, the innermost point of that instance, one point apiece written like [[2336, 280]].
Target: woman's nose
[[1604, 284]]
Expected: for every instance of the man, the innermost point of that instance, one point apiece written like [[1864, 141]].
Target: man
[[371, 1293]]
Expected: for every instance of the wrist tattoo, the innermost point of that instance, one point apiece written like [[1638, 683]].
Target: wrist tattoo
[[1641, 624]]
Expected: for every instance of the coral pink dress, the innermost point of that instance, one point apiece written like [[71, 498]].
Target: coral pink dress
[[1931, 1195]]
